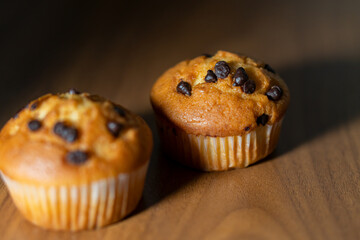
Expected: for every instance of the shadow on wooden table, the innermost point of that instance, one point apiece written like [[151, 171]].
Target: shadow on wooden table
[[324, 96], [165, 176]]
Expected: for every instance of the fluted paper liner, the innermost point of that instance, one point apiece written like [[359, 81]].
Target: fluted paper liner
[[88, 206], [218, 153]]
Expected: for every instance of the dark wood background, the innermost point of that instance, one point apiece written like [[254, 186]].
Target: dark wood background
[[308, 189]]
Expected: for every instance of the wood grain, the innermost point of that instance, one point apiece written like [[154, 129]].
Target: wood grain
[[307, 189]]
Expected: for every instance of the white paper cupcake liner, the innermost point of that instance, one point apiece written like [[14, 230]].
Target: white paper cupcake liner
[[218, 153], [86, 206]]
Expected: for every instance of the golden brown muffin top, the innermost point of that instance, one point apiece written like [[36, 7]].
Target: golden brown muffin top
[[221, 95], [72, 138]]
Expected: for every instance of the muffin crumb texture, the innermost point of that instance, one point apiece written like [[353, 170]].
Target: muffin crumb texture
[[221, 95]]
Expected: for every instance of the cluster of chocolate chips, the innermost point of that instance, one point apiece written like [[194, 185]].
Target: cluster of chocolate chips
[[240, 79], [71, 134], [222, 70]]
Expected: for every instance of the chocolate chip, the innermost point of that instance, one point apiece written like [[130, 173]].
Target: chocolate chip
[[274, 93], [263, 119], [270, 69], [174, 131], [207, 55], [247, 128], [34, 125], [240, 77], [77, 157], [210, 77], [73, 91], [222, 69], [184, 88], [114, 128], [68, 133], [34, 106], [249, 87], [119, 111]]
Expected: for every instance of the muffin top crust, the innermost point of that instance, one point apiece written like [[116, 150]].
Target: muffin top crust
[[221, 95], [72, 138]]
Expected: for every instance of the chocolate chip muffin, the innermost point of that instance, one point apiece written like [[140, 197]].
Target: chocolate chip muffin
[[219, 112], [75, 161]]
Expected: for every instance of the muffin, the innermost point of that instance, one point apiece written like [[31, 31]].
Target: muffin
[[75, 161], [219, 112]]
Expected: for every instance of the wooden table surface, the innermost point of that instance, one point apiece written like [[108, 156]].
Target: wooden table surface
[[309, 188]]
